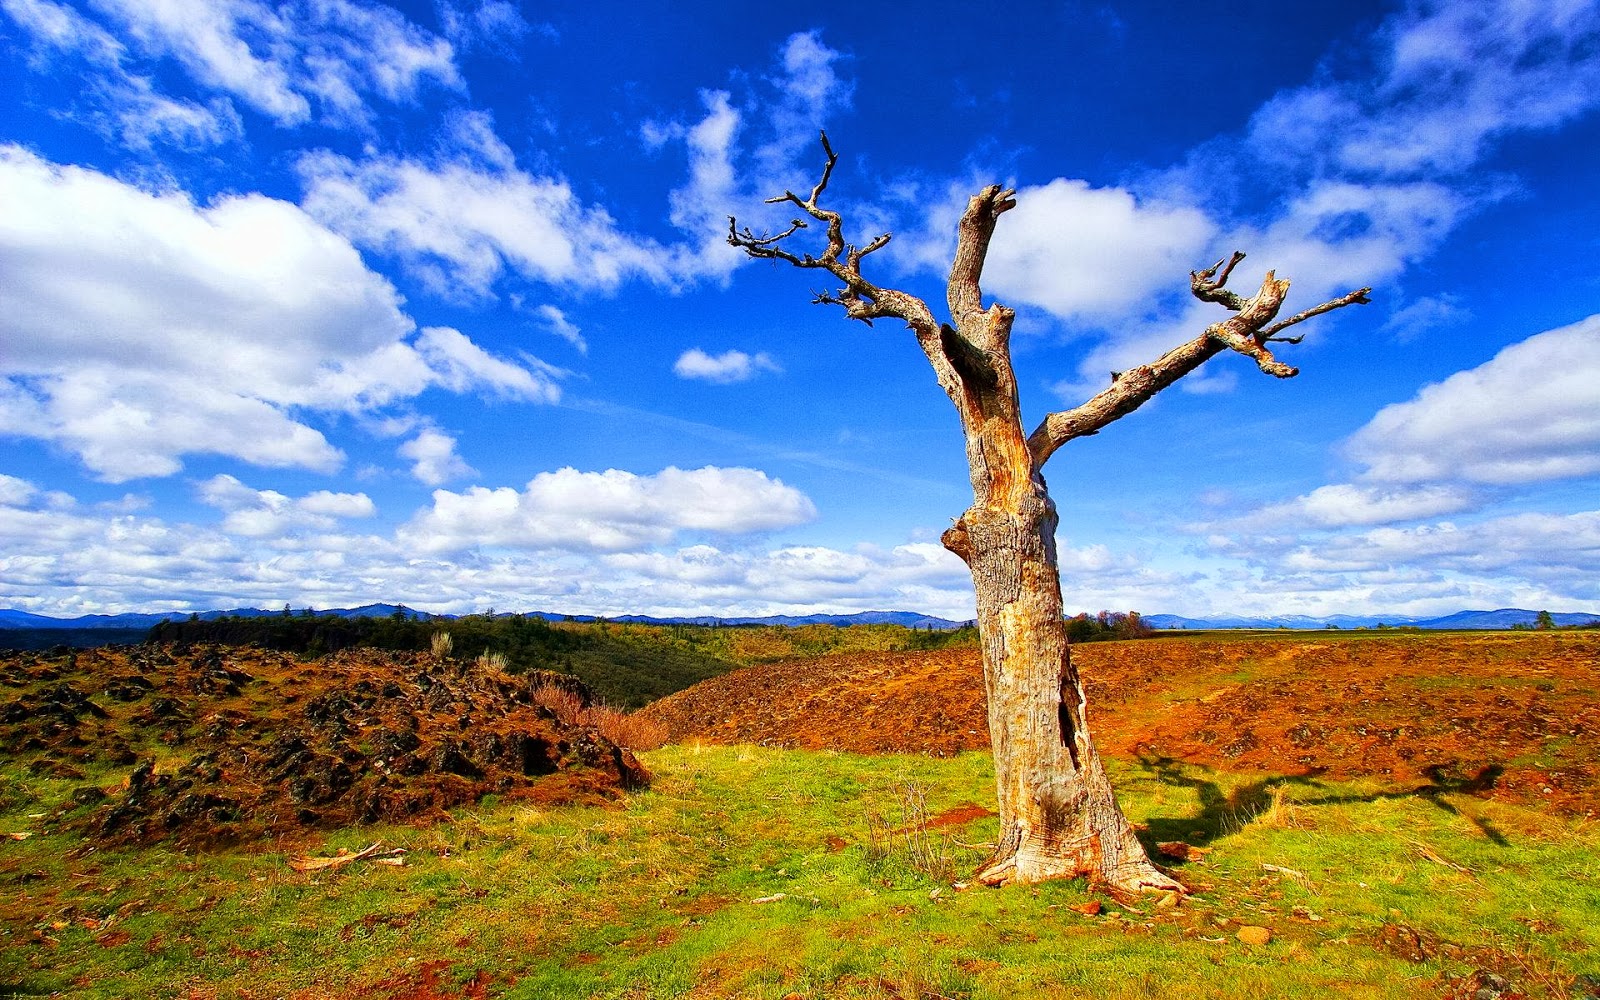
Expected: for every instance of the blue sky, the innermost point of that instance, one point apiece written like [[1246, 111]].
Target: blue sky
[[332, 302]]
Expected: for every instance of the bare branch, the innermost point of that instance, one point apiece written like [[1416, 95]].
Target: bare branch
[[1207, 285], [1248, 333], [747, 238], [1357, 297], [972, 247], [860, 298]]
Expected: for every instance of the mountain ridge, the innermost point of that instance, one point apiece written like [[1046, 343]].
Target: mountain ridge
[[1502, 618]]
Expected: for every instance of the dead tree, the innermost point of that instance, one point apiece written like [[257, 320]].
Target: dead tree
[[1059, 817]]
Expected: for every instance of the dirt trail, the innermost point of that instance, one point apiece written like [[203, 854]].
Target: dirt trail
[[1506, 715]]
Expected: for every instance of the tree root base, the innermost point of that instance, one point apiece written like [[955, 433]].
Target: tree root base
[[1126, 884]]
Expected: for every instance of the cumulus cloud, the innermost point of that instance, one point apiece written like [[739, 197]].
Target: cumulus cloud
[[1529, 414], [1081, 253], [460, 365], [1337, 184], [140, 328], [270, 549], [272, 515], [723, 369], [1554, 549], [434, 458], [607, 511]]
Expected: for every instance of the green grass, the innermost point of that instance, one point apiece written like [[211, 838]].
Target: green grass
[[654, 898]]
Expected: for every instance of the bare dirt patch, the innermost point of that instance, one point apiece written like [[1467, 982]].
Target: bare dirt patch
[[1510, 716]]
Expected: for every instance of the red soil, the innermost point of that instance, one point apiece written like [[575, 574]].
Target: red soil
[[1511, 715]]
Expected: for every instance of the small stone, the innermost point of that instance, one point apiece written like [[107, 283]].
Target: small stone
[[1251, 934], [1175, 849]]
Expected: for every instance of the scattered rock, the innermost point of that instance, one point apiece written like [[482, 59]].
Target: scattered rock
[[1177, 850]]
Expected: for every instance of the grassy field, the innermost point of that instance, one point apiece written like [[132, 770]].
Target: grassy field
[[749, 872]]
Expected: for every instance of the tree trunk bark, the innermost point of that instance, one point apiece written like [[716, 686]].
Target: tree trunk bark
[[1059, 817]]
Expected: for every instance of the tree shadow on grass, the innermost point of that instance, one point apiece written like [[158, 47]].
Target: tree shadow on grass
[[1224, 811]]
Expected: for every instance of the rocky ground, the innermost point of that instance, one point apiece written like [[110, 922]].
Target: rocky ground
[[210, 744], [1510, 715]]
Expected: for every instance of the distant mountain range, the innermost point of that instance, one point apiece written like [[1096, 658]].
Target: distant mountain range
[[26, 620], [1504, 618]]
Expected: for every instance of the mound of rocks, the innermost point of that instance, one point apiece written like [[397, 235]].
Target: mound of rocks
[[225, 744]]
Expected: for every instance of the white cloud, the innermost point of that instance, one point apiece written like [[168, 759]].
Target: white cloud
[[1351, 180], [1531, 413], [273, 515], [1342, 505], [460, 225], [463, 219], [434, 456], [702, 205], [1426, 314], [810, 93], [284, 60], [268, 551], [607, 511], [136, 114], [723, 369], [492, 24], [140, 328], [460, 365], [557, 323], [1562, 549], [1081, 253], [1453, 78]]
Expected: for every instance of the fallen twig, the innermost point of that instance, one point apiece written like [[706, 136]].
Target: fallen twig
[[307, 863], [1298, 876], [1437, 858]]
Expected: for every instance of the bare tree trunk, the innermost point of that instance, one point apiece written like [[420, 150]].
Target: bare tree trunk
[[1059, 817]]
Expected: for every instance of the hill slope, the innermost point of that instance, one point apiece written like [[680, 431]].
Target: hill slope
[[1507, 715]]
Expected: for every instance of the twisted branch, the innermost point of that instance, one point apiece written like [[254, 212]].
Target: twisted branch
[[1248, 333], [861, 299]]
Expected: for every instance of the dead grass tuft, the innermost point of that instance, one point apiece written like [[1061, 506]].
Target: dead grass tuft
[[911, 839], [625, 729]]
